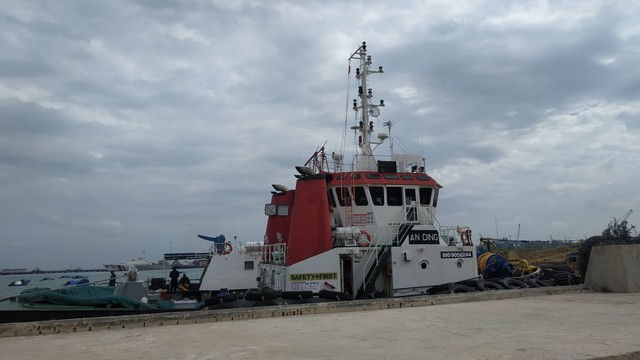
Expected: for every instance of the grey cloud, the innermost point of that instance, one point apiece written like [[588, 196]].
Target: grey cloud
[[135, 125]]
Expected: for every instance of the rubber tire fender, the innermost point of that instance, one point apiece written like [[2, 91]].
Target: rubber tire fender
[[536, 283], [333, 295], [459, 288], [260, 295], [220, 299], [511, 283], [440, 289], [488, 285], [546, 283], [470, 282], [297, 295], [564, 279]]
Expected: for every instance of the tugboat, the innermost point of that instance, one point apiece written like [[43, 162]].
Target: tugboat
[[361, 230]]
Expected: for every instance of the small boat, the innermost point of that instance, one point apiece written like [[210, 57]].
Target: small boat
[[21, 282], [46, 279], [140, 263], [77, 282], [128, 298]]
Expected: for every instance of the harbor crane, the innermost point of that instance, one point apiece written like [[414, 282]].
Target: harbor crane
[[624, 221]]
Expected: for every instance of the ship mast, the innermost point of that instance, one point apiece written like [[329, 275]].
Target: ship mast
[[365, 160]]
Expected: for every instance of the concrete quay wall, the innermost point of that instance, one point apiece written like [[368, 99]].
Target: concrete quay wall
[[541, 324], [240, 314]]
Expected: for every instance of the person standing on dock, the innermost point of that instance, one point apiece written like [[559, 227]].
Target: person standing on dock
[[112, 279], [174, 275]]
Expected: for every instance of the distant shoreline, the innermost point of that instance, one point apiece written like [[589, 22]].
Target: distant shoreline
[[38, 271], [78, 270]]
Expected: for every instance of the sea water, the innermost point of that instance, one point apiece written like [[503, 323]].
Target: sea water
[[97, 278]]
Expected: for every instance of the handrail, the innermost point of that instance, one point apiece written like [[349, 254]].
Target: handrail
[[274, 253], [372, 258]]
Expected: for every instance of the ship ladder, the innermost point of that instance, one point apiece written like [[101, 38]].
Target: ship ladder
[[382, 259], [347, 193]]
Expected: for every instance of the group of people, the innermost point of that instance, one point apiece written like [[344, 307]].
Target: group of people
[[177, 282], [182, 284]]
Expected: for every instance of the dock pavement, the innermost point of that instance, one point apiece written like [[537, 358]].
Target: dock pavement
[[518, 324]]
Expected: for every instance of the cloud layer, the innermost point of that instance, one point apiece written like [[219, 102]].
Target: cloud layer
[[133, 126]]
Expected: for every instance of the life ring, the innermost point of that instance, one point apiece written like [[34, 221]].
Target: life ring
[[227, 248], [364, 239]]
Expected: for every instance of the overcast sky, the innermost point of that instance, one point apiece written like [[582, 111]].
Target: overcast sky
[[132, 126]]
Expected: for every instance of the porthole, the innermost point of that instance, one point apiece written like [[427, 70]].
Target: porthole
[[459, 263], [424, 264]]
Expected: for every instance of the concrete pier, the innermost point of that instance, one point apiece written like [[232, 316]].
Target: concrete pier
[[614, 268], [567, 323]]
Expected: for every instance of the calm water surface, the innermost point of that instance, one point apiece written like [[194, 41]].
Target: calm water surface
[[94, 277]]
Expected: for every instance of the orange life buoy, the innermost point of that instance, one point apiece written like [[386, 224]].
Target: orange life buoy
[[364, 239], [227, 248]]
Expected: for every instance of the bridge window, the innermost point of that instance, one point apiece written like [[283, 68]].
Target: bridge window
[[390, 176], [372, 176], [394, 196], [425, 196], [332, 200], [344, 196], [406, 177], [435, 197], [409, 196], [360, 196], [347, 176], [410, 199], [377, 195]]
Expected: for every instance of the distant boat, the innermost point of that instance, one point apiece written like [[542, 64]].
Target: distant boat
[[76, 282], [21, 282], [46, 279], [117, 267], [139, 263], [72, 302]]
